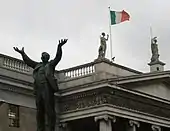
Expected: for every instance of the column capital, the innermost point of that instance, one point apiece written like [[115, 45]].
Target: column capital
[[63, 125], [105, 117], [134, 123], [156, 128]]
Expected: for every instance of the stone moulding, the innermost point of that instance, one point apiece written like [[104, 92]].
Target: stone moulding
[[116, 97]]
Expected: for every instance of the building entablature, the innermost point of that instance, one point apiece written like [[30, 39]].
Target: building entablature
[[114, 101], [103, 99]]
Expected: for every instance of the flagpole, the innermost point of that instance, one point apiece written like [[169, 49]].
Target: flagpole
[[151, 32], [110, 33]]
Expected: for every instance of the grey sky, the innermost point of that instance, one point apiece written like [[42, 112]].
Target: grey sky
[[39, 24]]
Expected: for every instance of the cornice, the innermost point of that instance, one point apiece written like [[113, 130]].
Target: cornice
[[141, 77], [11, 79], [16, 87]]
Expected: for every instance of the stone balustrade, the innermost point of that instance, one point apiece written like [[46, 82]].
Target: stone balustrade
[[13, 64], [18, 65], [78, 71], [96, 67]]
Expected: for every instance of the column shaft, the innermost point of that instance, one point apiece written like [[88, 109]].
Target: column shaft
[[105, 125]]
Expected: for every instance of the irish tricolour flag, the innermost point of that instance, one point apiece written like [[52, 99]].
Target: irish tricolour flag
[[118, 17]]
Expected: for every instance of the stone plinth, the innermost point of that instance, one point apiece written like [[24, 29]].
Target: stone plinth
[[156, 66]]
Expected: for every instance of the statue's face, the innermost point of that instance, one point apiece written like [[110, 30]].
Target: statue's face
[[45, 57]]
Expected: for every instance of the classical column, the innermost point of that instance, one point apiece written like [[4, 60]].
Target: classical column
[[105, 122], [133, 125], [156, 128]]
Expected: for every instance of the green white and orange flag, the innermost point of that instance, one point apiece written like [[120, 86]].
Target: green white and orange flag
[[118, 17]]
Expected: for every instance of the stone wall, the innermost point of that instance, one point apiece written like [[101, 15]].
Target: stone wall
[[26, 117]]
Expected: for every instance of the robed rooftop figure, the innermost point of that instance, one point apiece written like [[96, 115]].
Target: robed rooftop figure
[[44, 86]]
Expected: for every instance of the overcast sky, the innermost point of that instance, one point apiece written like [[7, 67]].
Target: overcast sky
[[37, 25]]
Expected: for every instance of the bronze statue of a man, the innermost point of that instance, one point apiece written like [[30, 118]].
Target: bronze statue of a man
[[44, 86], [103, 46]]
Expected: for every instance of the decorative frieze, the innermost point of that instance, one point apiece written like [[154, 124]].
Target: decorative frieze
[[83, 100], [115, 97], [84, 103]]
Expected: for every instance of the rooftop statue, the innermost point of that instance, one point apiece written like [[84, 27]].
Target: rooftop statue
[[154, 49], [44, 86], [103, 46]]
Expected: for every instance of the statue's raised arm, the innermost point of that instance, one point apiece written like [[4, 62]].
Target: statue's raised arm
[[26, 59], [107, 37], [59, 52]]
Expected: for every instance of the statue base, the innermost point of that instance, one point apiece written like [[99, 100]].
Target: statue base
[[156, 62], [156, 66], [100, 59]]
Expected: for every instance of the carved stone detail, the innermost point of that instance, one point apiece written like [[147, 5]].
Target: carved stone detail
[[63, 125], [119, 98], [156, 128], [134, 123], [105, 117], [84, 101]]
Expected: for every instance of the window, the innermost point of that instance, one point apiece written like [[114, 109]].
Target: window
[[13, 115]]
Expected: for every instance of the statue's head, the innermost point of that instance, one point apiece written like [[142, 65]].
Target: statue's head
[[45, 57], [154, 40], [103, 34]]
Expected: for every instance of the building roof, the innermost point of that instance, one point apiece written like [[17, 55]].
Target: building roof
[[141, 77]]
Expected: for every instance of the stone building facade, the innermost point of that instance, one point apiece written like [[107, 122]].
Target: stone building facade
[[25, 122], [97, 96]]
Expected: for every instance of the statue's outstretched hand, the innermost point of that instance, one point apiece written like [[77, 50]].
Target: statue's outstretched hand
[[62, 42], [19, 51]]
